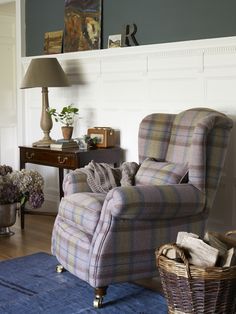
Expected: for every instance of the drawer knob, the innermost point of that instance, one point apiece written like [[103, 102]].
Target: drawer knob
[[62, 160], [29, 155]]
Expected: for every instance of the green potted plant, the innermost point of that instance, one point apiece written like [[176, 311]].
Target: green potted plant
[[66, 116], [91, 142]]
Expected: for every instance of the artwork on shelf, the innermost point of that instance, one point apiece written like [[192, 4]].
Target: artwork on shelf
[[114, 41], [53, 42], [82, 25], [128, 36]]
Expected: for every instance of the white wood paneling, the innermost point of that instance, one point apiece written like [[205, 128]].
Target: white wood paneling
[[8, 116], [8, 147], [118, 87]]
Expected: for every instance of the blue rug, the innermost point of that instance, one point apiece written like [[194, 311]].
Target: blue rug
[[30, 285]]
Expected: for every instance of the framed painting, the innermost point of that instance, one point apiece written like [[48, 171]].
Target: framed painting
[[82, 25], [53, 42]]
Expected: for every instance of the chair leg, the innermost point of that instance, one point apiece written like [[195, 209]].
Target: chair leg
[[99, 294], [60, 268]]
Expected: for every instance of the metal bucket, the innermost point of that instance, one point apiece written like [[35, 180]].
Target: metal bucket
[[7, 218]]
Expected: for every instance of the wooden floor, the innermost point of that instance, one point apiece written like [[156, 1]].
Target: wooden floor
[[36, 237]]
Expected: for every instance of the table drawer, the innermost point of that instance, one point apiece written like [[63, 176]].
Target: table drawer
[[49, 158]]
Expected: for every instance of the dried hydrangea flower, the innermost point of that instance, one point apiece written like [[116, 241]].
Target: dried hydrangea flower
[[21, 186], [5, 170]]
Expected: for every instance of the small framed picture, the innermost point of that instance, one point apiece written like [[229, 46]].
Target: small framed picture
[[114, 41], [53, 42]]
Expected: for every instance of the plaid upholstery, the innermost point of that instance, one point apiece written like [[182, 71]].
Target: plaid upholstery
[[156, 202], [189, 137], [198, 137], [71, 247], [156, 173], [154, 136], [75, 181], [216, 149], [87, 215], [126, 248], [110, 238]]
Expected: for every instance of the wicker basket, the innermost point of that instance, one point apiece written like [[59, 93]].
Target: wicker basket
[[192, 289]]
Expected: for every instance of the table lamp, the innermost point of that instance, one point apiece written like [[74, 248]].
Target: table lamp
[[44, 72]]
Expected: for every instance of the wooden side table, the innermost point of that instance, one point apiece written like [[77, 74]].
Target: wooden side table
[[69, 158]]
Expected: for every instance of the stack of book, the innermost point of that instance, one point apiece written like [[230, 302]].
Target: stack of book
[[60, 144]]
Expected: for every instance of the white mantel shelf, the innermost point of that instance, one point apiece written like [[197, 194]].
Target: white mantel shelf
[[197, 55], [227, 44]]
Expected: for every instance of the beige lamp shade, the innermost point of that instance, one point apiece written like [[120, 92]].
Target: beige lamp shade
[[44, 73]]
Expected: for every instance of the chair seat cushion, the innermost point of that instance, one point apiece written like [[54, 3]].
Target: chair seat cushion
[[152, 172], [82, 210]]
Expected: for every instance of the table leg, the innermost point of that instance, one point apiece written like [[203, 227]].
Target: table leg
[[22, 217], [61, 177], [22, 208], [22, 163]]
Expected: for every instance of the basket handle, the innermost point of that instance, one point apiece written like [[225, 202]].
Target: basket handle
[[230, 232], [180, 252]]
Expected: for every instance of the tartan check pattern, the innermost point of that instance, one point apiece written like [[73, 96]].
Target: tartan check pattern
[[155, 173], [126, 248], [87, 215], [154, 136], [189, 138], [71, 247], [75, 181], [156, 202], [112, 237]]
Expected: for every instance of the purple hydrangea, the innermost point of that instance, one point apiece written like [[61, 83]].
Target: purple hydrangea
[[9, 193], [5, 170], [36, 199], [21, 186]]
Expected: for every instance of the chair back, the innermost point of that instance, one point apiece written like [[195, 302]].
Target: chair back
[[197, 137]]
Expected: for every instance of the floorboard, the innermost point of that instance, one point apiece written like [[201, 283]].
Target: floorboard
[[36, 237]]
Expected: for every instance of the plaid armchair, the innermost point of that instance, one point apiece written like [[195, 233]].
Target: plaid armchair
[[105, 238]]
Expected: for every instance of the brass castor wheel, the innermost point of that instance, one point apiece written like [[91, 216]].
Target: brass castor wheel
[[100, 292], [59, 269], [97, 302]]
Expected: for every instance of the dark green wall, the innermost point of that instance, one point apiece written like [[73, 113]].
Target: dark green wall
[[158, 21], [41, 16]]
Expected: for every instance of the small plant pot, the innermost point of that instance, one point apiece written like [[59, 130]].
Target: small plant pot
[[67, 132]]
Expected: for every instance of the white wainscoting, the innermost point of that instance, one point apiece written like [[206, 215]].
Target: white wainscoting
[[8, 146], [118, 87], [8, 108]]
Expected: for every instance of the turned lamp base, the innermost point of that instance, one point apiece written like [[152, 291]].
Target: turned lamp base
[[43, 143]]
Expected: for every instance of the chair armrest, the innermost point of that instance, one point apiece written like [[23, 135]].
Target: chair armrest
[[75, 182], [155, 202]]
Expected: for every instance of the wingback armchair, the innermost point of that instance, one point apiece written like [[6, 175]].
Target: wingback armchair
[[105, 238]]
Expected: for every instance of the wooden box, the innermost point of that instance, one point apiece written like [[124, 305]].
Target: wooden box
[[105, 135]]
